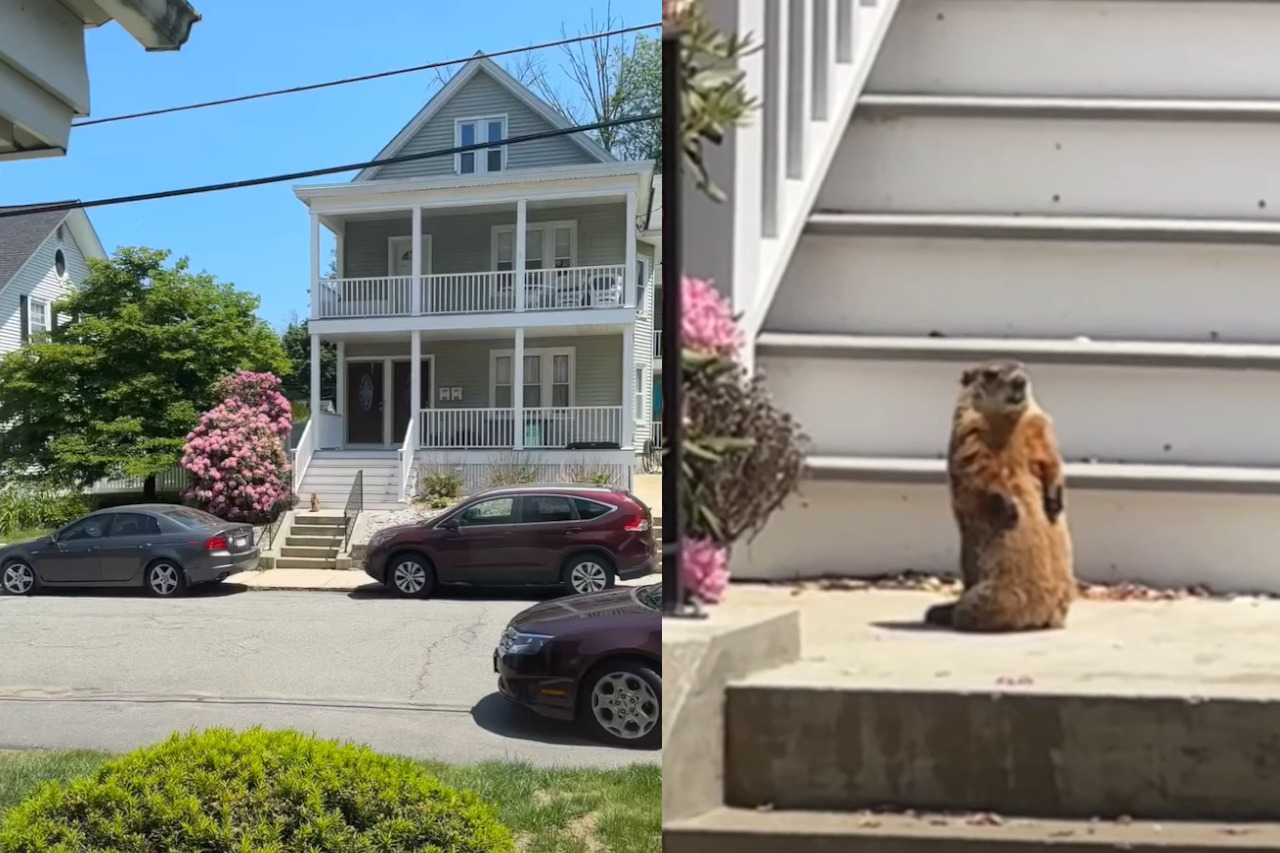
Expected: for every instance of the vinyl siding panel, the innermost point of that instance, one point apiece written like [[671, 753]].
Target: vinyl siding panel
[[462, 242], [38, 279], [482, 96], [644, 346]]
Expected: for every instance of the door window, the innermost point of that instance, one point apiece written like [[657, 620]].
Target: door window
[[492, 511], [134, 524], [532, 381], [541, 509], [502, 382], [93, 527]]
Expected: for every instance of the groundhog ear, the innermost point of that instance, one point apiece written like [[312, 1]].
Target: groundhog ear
[[967, 378]]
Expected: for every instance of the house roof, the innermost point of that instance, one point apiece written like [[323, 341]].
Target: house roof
[[21, 236], [478, 64]]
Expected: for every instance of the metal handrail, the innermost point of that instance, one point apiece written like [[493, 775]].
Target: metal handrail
[[355, 506], [269, 532]]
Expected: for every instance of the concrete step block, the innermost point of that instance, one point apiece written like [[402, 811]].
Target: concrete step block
[[325, 553], [306, 563], [333, 541]]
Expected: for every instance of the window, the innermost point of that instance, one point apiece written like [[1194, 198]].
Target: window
[[505, 251], [639, 395], [548, 245], [37, 315], [502, 382], [134, 524], [590, 509], [548, 377], [492, 511], [544, 509], [192, 518], [472, 130], [560, 381], [60, 264], [532, 381], [93, 527], [641, 281]]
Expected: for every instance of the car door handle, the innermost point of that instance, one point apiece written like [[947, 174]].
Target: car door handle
[[573, 530]]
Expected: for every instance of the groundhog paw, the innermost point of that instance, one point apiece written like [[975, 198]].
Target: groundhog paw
[[940, 614], [1053, 503], [1004, 509]]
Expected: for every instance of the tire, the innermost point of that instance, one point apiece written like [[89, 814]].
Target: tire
[[621, 704], [164, 579], [587, 573], [18, 578], [410, 575]]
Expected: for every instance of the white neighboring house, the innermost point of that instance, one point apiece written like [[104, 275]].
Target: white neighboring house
[[42, 256], [520, 331], [651, 233]]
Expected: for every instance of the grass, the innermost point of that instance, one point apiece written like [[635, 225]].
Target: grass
[[25, 535], [549, 811]]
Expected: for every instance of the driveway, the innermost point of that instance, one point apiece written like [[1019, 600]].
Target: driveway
[[114, 670]]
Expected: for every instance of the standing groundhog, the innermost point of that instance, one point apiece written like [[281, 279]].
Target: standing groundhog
[[1007, 496]]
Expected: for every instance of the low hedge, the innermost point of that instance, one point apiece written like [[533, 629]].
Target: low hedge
[[257, 791]]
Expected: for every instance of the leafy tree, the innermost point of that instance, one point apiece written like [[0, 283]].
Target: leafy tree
[[116, 385], [640, 81], [297, 347]]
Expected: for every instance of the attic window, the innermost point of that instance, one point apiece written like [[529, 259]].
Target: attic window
[[469, 131], [60, 264]]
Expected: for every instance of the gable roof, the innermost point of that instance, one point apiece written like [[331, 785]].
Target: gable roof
[[477, 64], [21, 236]]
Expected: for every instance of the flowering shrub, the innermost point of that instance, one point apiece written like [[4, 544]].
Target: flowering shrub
[[706, 321], [237, 456], [704, 569]]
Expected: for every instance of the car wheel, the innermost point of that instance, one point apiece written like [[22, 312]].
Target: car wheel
[[622, 704], [587, 573], [165, 579], [18, 578], [410, 576]]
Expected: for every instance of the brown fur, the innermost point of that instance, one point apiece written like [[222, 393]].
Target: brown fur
[[1006, 479]]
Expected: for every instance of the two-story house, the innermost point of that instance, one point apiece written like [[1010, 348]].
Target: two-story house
[[651, 233], [492, 307], [42, 256]]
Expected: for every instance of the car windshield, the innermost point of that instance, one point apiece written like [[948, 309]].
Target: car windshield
[[650, 596], [188, 517]]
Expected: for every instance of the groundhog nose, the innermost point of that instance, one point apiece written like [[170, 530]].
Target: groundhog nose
[[1018, 383]]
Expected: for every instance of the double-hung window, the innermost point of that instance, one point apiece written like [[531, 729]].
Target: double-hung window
[[471, 131]]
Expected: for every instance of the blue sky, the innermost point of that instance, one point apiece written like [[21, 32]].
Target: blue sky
[[258, 238]]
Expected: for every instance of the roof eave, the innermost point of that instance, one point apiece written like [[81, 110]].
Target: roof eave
[[158, 25]]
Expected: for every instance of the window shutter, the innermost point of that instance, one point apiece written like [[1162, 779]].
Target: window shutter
[[24, 316]]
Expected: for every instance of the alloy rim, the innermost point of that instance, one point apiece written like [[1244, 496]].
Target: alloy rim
[[410, 577], [164, 579], [625, 705], [19, 579], [588, 577]]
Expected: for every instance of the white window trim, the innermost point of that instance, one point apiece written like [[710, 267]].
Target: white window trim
[[397, 243], [548, 241], [548, 354], [45, 313], [481, 158]]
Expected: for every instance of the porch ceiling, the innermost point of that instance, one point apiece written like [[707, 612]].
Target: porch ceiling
[[429, 213], [531, 333]]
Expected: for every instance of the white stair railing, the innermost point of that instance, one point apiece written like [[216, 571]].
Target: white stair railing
[[408, 449], [813, 61], [303, 452]]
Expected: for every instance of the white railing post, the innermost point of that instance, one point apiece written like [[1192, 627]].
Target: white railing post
[[517, 385], [316, 350], [340, 404], [315, 264], [522, 228], [302, 453], [629, 270], [415, 267]]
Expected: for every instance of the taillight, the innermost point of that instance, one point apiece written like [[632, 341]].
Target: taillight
[[217, 543], [636, 525]]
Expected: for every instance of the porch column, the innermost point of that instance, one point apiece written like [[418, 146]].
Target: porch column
[[340, 404], [521, 228], [517, 377], [627, 432], [415, 388], [315, 388], [415, 269], [629, 274], [315, 265]]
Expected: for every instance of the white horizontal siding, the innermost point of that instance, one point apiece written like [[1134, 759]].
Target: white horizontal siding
[[39, 279]]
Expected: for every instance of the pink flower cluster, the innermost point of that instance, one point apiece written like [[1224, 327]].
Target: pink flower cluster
[[704, 569], [706, 320], [237, 455]]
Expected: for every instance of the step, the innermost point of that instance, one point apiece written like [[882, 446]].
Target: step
[[1163, 525], [1153, 710], [1014, 164], [319, 519], [307, 563], [330, 478], [321, 553], [333, 540], [1134, 402], [892, 105], [914, 284], [752, 831], [1081, 47]]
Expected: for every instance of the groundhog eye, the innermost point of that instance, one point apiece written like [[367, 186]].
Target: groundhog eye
[[989, 376]]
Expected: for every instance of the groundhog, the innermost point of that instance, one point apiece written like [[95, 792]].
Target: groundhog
[[1007, 495]]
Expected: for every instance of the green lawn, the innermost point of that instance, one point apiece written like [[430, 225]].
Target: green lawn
[[550, 811], [24, 535]]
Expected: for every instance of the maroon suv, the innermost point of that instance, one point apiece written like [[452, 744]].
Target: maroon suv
[[582, 537]]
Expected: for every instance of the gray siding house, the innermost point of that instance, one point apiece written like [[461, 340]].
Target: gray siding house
[[490, 306], [42, 256]]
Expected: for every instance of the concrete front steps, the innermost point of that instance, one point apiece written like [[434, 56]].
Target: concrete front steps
[[1089, 186], [331, 474], [1143, 726], [312, 541]]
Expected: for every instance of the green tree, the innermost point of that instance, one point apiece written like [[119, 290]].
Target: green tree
[[297, 347], [114, 387], [640, 81]]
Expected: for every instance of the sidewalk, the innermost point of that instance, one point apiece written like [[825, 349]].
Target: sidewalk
[[341, 580]]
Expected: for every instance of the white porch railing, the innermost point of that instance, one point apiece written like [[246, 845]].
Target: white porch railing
[[814, 61], [655, 433], [657, 343], [303, 452], [406, 456], [571, 288], [385, 296], [468, 428], [562, 426]]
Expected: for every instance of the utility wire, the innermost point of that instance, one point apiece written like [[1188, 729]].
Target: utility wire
[[344, 81], [27, 210]]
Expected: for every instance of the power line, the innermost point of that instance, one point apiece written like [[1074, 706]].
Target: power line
[[344, 81], [330, 170]]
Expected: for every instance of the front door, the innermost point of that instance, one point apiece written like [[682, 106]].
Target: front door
[[484, 548], [76, 556], [403, 379], [364, 402]]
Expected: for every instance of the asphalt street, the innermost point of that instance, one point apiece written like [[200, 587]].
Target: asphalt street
[[115, 670]]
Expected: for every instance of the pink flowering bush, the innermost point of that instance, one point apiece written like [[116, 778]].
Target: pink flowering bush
[[237, 456], [704, 569], [706, 321]]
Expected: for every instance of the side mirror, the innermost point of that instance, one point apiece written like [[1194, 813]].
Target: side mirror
[[450, 524], [53, 538]]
